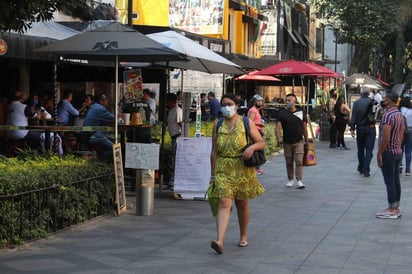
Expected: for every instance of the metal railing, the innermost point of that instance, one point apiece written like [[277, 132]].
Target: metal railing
[[33, 214]]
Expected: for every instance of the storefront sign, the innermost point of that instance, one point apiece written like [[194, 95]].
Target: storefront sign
[[3, 47]]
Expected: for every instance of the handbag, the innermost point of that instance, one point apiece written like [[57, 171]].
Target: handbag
[[213, 202], [258, 158], [309, 156]]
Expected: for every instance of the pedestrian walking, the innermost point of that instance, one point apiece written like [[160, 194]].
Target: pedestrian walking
[[365, 132], [292, 122], [332, 117], [389, 156], [256, 117], [231, 178]]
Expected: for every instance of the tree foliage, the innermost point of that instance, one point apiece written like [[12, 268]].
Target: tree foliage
[[359, 22], [18, 15]]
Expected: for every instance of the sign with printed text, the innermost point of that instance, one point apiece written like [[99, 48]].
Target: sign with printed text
[[192, 168], [142, 156], [119, 179]]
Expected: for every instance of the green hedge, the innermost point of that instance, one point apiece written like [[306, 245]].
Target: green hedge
[[44, 194]]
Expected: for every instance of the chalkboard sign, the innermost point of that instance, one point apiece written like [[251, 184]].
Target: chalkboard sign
[[192, 168], [142, 156], [119, 179]]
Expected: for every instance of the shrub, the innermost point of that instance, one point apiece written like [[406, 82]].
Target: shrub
[[46, 193]]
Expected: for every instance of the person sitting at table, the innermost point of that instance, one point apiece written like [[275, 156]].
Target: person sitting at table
[[18, 114], [83, 110], [67, 112], [98, 115]]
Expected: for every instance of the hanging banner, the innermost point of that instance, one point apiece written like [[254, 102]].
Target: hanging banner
[[132, 85], [201, 17]]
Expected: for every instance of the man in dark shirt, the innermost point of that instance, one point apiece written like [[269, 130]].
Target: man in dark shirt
[[292, 122], [365, 132]]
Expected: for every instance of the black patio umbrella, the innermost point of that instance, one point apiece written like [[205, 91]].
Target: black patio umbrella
[[114, 42]]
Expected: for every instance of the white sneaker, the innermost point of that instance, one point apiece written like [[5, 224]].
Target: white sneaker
[[290, 184], [300, 185]]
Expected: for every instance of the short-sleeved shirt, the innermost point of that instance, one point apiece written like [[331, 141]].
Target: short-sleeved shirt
[[394, 118], [257, 119], [17, 115], [292, 125], [174, 117]]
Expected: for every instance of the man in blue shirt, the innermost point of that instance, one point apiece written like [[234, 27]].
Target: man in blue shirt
[[98, 115], [66, 110], [214, 106]]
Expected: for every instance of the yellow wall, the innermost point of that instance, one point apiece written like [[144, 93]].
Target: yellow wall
[[238, 41], [151, 12]]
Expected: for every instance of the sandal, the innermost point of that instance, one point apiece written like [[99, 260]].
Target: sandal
[[216, 247], [243, 243]]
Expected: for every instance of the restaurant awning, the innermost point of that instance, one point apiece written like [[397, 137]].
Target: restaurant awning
[[21, 46]]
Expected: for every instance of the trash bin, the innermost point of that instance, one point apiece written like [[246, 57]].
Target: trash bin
[[145, 192]]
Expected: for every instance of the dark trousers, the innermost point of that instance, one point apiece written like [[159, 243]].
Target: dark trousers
[[332, 132], [390, 172], [340, 125], [365, 140]]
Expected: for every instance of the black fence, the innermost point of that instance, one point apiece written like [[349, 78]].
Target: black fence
[[34, 214]]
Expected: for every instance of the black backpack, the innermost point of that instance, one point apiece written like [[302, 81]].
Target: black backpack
[[372, 111]]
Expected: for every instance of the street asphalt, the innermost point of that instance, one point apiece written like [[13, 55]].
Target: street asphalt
[[329, 227]]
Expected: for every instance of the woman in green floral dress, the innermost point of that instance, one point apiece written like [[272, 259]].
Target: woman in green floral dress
[[232, 179]]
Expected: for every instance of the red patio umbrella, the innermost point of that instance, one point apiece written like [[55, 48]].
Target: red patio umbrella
[[293, 67], [255, 77]]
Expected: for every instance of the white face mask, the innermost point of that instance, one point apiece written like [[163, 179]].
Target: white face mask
[[228, 111]]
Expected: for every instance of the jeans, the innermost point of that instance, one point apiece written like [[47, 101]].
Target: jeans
[[294, 153], [390, 172], [102, 141], [407, 149], [365, 140]]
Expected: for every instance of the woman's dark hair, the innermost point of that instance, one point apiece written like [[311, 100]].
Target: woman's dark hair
[[230, 96]]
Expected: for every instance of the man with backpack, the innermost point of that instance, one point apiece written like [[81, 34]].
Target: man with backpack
[[363, 122]]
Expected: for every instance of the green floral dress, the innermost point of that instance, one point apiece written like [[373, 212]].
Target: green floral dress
[[232, 178]]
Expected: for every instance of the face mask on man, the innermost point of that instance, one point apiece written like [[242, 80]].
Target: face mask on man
[[289, 105], [228, 111]]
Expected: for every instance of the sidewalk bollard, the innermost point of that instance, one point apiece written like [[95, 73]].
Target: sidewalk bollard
[[145, 192]]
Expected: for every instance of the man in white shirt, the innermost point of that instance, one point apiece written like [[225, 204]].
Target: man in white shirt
[[18, 114], [174, 126]]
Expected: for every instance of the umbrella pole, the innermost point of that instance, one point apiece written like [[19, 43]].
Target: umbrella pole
[[163, 130], [55, 109], [115, 100]]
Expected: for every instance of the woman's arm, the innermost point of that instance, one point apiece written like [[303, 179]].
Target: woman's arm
[[213, 153]]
